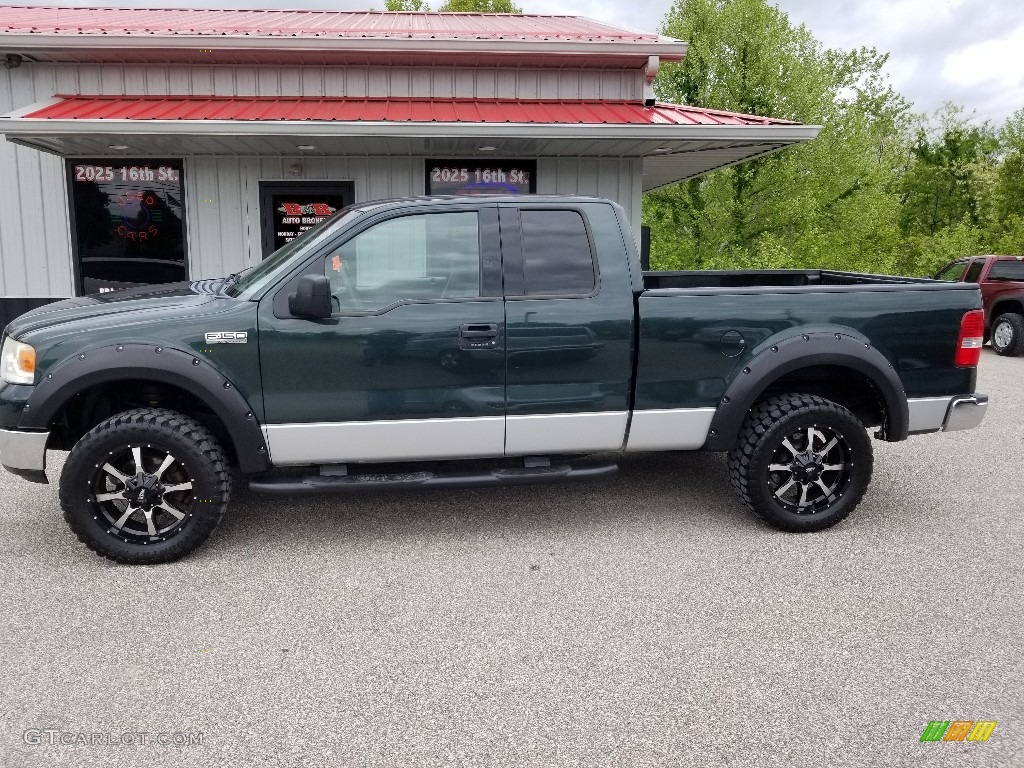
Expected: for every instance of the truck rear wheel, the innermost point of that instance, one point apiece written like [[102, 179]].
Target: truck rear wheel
[[802, 462], [1008, 334], [145, 486]]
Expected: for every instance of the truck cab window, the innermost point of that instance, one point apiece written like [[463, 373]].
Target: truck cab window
[[1007, 270], [975, 271], [414, 258], [952, 271], [557, 259]]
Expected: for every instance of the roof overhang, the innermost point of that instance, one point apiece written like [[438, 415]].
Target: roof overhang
[[670, 152], [218, 35], [244, 50]]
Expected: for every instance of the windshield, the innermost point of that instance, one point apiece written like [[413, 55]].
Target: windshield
[[251, 280]]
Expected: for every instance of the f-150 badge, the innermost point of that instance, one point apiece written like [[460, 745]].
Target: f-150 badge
[[227, 337]]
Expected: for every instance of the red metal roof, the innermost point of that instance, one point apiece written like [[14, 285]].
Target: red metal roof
[[308, 23], [405, 110]]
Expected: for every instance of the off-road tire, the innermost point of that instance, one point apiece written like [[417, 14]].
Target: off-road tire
[[1008, 324], [793, 417], [148, 433]]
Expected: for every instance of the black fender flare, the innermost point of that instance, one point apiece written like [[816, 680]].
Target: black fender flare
[[802, 351], [149, 362]]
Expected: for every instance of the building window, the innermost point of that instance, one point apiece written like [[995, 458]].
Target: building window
[[481, 177], [127, 223], [289, 208]]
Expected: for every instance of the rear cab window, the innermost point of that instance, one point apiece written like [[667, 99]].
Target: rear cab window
[[1007, 270], [558, 259], [974, 271]]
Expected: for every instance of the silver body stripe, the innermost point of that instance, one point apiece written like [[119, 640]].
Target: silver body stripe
[[487, 436], [669, 429], [565, 433], [406, 440]]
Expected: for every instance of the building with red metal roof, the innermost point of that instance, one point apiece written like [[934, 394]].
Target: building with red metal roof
[[157, 144]]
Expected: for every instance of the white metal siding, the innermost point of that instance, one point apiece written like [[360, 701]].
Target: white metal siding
[[35, 241], [224, 216], [437, 82], [616, 178]]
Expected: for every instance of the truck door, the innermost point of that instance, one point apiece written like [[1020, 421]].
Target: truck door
[[411, 365], [569, 323]]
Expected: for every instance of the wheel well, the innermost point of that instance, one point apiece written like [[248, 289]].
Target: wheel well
[[1011, 305], [91, 406], [845, 386]]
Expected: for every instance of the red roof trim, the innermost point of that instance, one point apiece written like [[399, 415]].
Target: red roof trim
[[404, 110], [153, 22]]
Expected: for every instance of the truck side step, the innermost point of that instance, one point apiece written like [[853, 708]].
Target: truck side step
[[408, 480]]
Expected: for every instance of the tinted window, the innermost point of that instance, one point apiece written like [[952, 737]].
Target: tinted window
[[414, 258], [952, 271], [556, 254], [128, 223], [1007, 270], [974, 272]]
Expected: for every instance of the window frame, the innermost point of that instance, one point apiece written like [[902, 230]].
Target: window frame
[[512, 250], [400, 302], [69, 174], [490, 258]]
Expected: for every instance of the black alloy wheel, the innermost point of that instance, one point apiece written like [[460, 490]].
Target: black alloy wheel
[[810, 469], [143, 493], [802, 463], [145, 486]]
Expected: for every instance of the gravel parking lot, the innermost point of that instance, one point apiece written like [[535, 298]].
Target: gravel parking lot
[[646, 620]]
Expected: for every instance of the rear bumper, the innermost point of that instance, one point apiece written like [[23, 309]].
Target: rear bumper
[[965, 412], [24, 453], [946, 414]]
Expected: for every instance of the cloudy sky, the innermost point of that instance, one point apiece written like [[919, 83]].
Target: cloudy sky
[[970, 52]]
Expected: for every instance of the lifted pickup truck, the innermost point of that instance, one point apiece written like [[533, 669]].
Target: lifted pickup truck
[[1001, 280], [466, 342]]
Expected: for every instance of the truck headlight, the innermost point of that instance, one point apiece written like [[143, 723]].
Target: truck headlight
[[17, 363]]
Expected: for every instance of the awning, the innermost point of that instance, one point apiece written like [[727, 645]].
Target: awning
[[675, 141]]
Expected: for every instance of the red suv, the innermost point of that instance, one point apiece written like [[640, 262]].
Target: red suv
[[1001, 279]]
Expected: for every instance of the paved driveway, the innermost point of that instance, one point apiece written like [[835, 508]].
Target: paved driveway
[[641, 621]]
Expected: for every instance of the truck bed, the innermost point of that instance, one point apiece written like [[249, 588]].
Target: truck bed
[[699, 330]]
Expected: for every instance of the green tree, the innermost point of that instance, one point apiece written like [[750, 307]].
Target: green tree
[[947, 191], [406, 5], [828, 203], [945, 182], [1008, 188], [480, 6]]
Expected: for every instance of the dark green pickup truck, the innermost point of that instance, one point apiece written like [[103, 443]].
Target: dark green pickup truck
[[466, 342]]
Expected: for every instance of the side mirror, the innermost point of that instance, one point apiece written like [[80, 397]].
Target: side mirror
[[313, 298]]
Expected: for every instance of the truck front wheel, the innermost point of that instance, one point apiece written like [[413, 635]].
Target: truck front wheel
[[1008, 334], [145, 486], [802, 463]]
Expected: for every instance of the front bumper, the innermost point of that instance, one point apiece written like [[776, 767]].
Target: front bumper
[[946, 414], [24, 453]]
